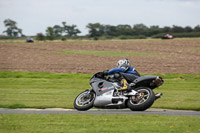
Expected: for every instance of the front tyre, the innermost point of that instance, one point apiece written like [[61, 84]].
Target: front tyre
[[84, 100], [143, 101]]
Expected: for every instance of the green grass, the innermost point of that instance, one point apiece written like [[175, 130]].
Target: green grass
[[40, 90], [180, 91], [106, 53], [43, 90], [88, 123]]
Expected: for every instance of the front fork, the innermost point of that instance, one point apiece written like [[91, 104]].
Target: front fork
[[88, 92]]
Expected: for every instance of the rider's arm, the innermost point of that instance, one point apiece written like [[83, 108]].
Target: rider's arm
[[114, 70], [132, 70], [123, 68]]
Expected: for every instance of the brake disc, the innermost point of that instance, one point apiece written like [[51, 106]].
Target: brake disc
[[138, 98]]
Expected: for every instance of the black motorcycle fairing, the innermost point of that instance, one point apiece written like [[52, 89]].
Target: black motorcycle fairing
[[129, 77], [145, 81]]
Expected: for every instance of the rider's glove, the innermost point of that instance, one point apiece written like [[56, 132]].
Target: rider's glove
[[100, 75], [105, 73]]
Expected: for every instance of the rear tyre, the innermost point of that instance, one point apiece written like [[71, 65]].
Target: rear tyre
[[143, 101], [84, 100]]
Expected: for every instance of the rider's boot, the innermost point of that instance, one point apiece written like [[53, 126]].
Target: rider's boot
[[125, 86]]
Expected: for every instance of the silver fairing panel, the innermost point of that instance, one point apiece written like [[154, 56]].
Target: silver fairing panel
[[102, 86], [105, 100], [105, 94]]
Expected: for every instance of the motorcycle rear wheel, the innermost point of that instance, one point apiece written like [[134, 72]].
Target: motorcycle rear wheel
[[84, 100], [142, 102]]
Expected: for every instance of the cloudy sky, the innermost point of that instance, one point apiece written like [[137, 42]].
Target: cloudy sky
[[34, 16]]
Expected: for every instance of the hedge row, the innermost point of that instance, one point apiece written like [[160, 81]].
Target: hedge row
[[179, 35]]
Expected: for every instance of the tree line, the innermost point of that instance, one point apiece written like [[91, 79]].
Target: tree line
[[139, 30], [97, 30]]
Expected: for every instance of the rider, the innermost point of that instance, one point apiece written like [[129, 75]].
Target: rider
[[124, 72]]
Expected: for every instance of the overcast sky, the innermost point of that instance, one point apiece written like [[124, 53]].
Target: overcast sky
[[34, 16]]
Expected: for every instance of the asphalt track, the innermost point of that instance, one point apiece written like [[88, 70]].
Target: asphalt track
[[101, 111]]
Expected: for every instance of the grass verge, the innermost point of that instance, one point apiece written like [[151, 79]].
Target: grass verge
[[88, 123], [49, 90]]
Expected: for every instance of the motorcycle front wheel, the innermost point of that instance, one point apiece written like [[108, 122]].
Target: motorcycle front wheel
[[84, 100], [142, 101]]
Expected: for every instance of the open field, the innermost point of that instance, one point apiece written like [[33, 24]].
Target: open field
[[146, 55], [78, 123], [29, 89], [48, 90], [149, 56]]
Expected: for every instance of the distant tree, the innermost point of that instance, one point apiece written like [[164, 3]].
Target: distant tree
[[95, 30], [12, 29], [50, 34], [140, 29], [154, 30], [58, 30], [177, 29], [124, 30], [197, 28], [40, 37], [64, 28], [110, 30], [140, 26], [166, 29], [70, 30], [188, 29]]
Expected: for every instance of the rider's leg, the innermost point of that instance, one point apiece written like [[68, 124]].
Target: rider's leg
[[124, 84], [121, 81]]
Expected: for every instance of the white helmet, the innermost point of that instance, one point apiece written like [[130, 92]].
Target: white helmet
[[123, 61]]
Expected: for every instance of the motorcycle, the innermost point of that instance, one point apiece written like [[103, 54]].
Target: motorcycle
[[105, 93]]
